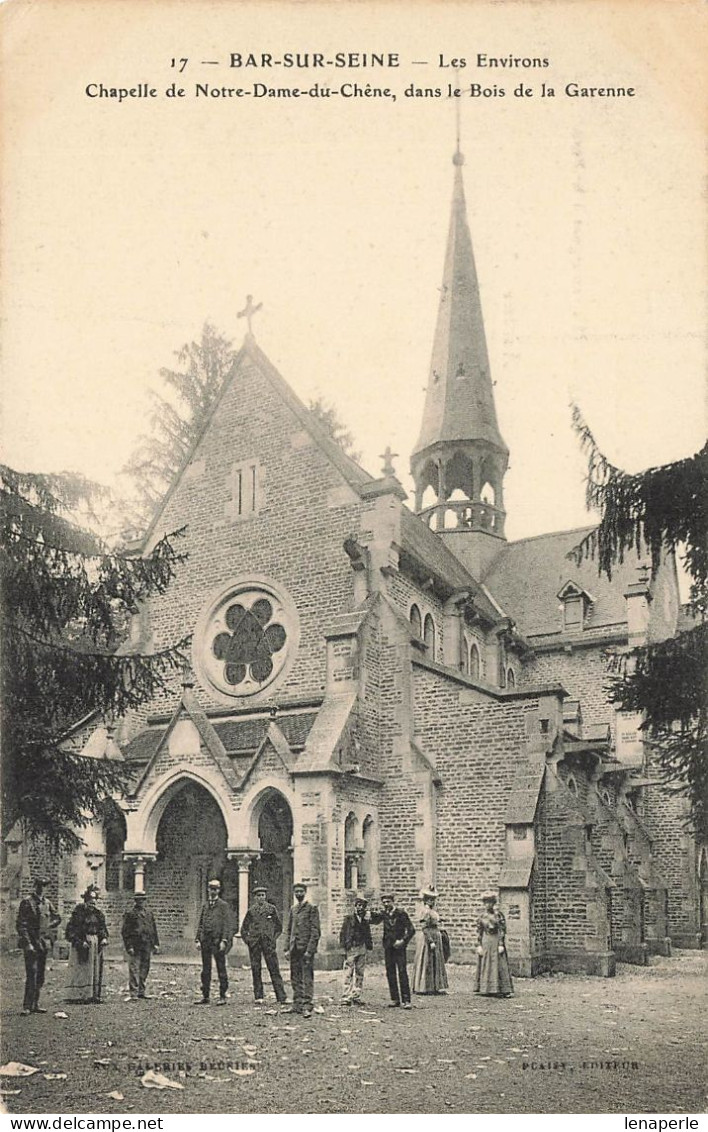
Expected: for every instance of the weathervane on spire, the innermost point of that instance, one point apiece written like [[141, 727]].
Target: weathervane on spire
[[248, 312], [458, 156]]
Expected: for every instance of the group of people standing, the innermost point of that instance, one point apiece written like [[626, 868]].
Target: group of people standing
[[86, 931]]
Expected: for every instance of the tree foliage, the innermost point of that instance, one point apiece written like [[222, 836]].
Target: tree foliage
[[65, 605], [663, 509], [327, 416], [177, 419]]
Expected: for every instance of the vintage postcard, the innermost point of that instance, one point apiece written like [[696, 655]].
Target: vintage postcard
[[316, 796]]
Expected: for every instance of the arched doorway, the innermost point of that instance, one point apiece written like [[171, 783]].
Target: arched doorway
[[274, 867], [191, 844]]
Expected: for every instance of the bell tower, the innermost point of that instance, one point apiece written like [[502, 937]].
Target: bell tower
[[460, 459]]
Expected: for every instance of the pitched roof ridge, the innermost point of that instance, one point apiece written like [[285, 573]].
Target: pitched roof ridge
[[249, 349], [549, 534], [350, 469]]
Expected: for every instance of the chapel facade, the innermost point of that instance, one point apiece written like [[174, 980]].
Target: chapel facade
[[380, 698]]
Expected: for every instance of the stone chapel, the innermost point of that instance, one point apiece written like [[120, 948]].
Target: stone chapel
[[382, 697]]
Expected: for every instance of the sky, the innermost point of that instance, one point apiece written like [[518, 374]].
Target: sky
[[129, 223]]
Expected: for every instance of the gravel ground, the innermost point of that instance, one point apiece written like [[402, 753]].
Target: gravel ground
[[568, 1044]]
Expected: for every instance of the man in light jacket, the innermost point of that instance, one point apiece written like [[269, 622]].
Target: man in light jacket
[[355, 938]]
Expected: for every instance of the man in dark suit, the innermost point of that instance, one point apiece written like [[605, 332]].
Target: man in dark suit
[[214, 937], [303, 937], [141, 939], [398, 931], [259, 931], [355, 938], [37, 921]]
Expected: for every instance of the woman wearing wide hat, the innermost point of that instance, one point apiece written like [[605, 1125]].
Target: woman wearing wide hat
[[429, 973], [493, 977]]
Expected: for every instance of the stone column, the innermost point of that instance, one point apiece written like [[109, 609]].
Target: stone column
[[139, 861], [243, 859]]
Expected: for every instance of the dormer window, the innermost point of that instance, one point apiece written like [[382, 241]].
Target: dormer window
[[576, 604]]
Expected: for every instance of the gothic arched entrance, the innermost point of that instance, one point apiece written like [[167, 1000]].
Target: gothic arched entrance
[[191, 844], [274, 867]]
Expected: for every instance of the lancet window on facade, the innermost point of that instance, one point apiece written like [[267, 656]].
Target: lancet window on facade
[[416, 621], [429, 635]]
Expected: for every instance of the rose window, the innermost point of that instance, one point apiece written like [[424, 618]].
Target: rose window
[[254, 637], [246, 637]]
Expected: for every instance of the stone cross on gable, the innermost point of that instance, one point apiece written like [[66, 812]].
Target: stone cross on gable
[[388, 456], [248, 312]]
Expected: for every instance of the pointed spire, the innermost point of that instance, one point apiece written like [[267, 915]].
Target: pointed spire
[[460, 402]]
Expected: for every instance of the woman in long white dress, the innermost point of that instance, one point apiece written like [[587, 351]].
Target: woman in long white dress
[[493, 977], [429, 972]]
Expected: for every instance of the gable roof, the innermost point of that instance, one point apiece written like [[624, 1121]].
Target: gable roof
[[353, 474], [274, 739], [525, 578], [189, 707]]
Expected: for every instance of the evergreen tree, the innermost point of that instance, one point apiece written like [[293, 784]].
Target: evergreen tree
[[66, 603], [176, 420], [326, 415], [663, 509]]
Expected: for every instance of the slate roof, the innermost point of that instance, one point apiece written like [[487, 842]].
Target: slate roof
[[428, 548], [241, 738], [248, 734], [526, 576], [459, 404], [142, 747], [523, 800]]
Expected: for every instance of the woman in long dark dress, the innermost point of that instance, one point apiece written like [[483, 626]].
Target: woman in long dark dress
[[88, 935], [493, 976], [429, 972]]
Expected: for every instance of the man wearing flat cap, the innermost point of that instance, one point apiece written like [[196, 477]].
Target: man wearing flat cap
[[303, 937], [214, 937], [140, 939], [37, 922], [259, 931], [355, 938], [398, 931]]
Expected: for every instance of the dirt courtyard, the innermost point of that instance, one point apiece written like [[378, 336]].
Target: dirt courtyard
[[562, 1044]]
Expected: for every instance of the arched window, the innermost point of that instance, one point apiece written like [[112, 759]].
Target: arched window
[[429, 635], [114, 832], [510, 678], [475, 665], [367, 868], [351, 851], [487, 494], [464, 656], [501, 664], [572, 785], [416, 621], [429, 498]]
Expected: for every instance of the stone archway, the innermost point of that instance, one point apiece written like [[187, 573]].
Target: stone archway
[[191, 848], [274, 866]]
